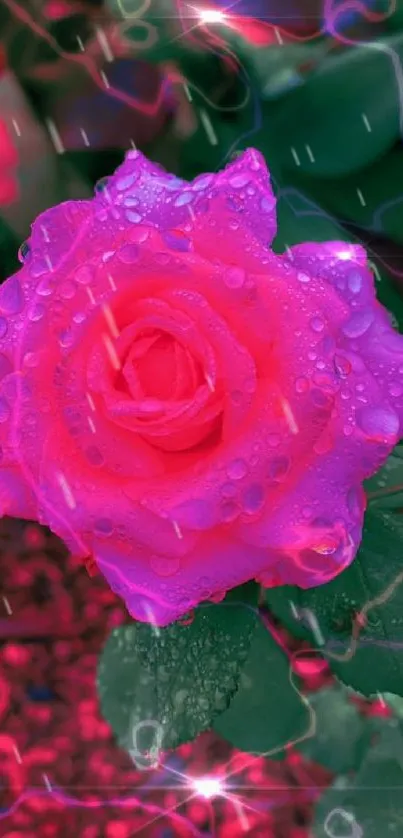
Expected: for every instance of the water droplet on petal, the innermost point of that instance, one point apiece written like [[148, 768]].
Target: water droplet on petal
[[177, 240], [101, 185], [239, 180], [128, 254], [94, 456], [354, 281], [359, 323], [163, 566], [195, 514], [342, 365], [395, 389], [267, 204], [24, 252], [103, 526], [229, 511], [125, 182], [278, 467], [303, 277], [234, 277], [3, 327], [301, 385], [253, 498], [11, 296], [84, 275], [379, 423], [132, 216], [67, 290], [317, 324], [183, 199], [237, 469]]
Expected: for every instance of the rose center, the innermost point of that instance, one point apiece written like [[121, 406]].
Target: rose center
[[163, 367]]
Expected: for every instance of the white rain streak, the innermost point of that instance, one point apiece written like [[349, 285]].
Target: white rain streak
[[90, 401], [295, 156], [55, 136], [361, 198], [67, 493], [104, 44], [112, 282], [208, 127], [16, 127], [85, 137], [91, 424], [289, 417], [113, 356], [177, 529], [108, 314], [7, 605]]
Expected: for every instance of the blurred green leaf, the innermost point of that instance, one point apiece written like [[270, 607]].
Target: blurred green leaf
[[267, 712], [319, 127], [380, 185], [341, 736], [370, 805], [178, 677], [385, 488], [324, 616]]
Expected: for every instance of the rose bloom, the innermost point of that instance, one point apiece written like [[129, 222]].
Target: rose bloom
[[182, 404]]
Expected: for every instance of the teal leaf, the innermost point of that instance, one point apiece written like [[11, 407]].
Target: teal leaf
[[339, 739], [175, 680], [267, 712], [367, 658], [385, 489], [300, 219], [369, 805], [325, 114]]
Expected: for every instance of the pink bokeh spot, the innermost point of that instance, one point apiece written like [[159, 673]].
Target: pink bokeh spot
[[184, 405]]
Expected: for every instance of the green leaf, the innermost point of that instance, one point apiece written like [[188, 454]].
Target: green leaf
[[385, 488], [267, 712], [325, 114], [176, 679], [324, 616], [339, 739], [301, 219], [379, 185], [371, 804]]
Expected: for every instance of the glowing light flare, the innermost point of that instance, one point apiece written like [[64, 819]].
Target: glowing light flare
[[207, 787], [211, 15]]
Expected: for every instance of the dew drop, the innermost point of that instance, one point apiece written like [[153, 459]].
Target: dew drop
[[163, 566], [278, 467], [24, 252], [354, 281], [395, 389], [84, 275], [94, 456], [273, 440], [183, 199], [11, 296], [317, 324], [229, 511], [125, 182], [358, 323], [239, 180], [132, 216], [379, 423], [342, 365], [237, 469], [266, 205], [128, 254], [176, 240], [67, 290], [101, 185], [234, 277], [253, 498], [46, 286], [103, 526], [303, 277], [301, 385], [3, 327]]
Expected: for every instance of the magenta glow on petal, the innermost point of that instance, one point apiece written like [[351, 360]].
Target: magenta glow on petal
[[184, 405]]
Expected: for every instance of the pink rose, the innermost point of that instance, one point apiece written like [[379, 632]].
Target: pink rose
[[184, 405]]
